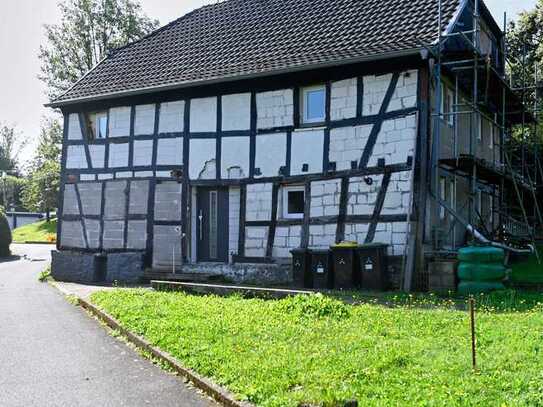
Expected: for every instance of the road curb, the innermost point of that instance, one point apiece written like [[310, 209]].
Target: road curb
[[35, 242], [207, 386]]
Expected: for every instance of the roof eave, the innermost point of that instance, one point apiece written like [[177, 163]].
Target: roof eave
[[184, 85]]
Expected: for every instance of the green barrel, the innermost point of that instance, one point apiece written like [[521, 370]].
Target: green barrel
[[481, 254], [477, 287], [481, 272]]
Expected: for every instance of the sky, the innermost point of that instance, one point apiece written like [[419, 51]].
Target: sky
[[21, 34]]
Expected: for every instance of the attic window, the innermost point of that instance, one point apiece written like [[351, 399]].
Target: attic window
[[313, 104], [97, 125]]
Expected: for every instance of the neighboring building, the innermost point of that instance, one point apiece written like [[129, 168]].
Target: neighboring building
[[18, 219], [249, 128]]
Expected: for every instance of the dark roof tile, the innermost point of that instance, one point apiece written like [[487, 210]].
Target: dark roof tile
[[246, 37]]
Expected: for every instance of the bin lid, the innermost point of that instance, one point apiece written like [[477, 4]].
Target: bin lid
[[345, 245], [319, 251], [375, 245], [299, 250]]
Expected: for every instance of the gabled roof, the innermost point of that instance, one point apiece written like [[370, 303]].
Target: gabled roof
[[235, 39]]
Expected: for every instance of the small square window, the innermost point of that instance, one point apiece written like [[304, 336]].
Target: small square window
[[313, 104], [97, 125], [293, 202]]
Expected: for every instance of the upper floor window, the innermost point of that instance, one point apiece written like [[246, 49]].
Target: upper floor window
[[447, 104], [98, 125], [494, 132], [442, 196], [313, 104]]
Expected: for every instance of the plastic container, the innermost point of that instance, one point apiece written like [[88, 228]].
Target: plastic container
[[321, 269], [481, 272], [478, 287], [481, 254]]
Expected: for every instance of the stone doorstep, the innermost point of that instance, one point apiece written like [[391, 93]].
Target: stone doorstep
[[226, 289]]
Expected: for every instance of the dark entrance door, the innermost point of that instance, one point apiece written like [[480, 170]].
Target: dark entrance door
[[212, 224]]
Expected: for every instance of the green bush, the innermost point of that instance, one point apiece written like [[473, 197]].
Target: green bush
[[5, 236]]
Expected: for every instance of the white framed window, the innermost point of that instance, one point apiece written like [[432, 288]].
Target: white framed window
[[480, 128], [479, 204], [442, 196], [442, 106], [492, 136], [447, 104], [494, 131], [293, 202], [98, 125], [452, 196], [450, 107], [313, 104]]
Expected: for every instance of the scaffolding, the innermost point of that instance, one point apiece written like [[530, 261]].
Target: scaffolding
[[511, 173]]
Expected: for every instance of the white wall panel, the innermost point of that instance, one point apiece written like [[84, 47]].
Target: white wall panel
[[271, 153], [97, 153], [119, 121], [203, 115], [235, 157], [170, 151], [172, 116], [144, 122], [143, 152], [275, 108], [75, 157], [307, 148], [202, 151], [74, 128], [236, 112], [118, 155]]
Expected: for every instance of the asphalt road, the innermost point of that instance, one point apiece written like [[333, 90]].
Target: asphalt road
[[53, 354]]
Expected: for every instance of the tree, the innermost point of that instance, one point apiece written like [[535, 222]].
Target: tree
[[11, 144], [42, 185], [11, 189], [525, 51], [88, 31], [525, 45]]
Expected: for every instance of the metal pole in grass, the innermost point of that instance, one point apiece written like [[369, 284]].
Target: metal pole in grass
[[472, 320]]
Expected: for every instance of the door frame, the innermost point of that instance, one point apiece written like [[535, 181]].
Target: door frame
[[223, 224]]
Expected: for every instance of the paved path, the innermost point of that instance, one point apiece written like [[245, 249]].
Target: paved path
[[53, 354]]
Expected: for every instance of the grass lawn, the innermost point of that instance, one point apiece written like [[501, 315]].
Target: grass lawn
[[281, 353], [36, 232]]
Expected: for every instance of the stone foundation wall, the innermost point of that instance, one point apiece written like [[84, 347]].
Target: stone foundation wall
[[77, 267], [125, 268]]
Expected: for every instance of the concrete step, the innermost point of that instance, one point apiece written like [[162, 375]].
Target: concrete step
[[227, 289], [178, 276], [255, 274]]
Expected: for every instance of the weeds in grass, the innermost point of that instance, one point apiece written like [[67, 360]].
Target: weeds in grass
[[314, 306]]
